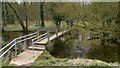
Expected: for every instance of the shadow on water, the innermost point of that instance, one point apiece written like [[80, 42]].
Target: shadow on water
[[60, 49], [91, 49]]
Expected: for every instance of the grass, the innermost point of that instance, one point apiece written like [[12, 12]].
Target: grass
[[17, 27], [32, 26], [47, 59]]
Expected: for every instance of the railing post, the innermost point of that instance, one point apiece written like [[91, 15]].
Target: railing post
[[61, 30], [15, 49], [1, 59], [33, 47], [48, 36], [25, 45], [57, 33], [1, 63], [38, 33]]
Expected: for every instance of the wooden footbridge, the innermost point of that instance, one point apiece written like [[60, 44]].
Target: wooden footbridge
[[29, 55]]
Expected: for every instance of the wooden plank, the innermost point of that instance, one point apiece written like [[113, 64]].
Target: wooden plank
[[26, 58], [59, 34]]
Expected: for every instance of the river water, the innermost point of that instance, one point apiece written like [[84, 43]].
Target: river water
[[6, 36], [9, 36], [83, 48]]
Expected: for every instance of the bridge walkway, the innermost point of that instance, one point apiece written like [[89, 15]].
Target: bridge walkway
[[27, 57]]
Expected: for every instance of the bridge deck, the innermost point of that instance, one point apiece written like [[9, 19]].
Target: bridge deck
[[26, 57], [44, 41]]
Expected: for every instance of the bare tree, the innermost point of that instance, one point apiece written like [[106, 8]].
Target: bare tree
[[42, 13], [26, 18], [18, 17]]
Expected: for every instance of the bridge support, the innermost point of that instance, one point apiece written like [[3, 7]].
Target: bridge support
[[25, 45], [15, 49], [48, 36], [56, 33], [1, 60], [33, 47]]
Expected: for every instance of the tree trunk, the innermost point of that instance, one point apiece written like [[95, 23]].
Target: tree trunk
[[118, 16], [20, 21], [118, 19], [26, 16], [42, 14], [3, 15]]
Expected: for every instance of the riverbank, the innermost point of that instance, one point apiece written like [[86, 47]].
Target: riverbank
[[47, 59], [17, 28]]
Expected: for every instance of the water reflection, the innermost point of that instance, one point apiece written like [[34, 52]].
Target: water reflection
[[9, 36], [91, 49]]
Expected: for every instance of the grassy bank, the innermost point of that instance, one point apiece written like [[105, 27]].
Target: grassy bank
[[47, 60]]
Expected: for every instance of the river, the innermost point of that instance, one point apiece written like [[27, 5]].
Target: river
[[79, 48]]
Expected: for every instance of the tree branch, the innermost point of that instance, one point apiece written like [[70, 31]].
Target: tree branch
[[20, 21]]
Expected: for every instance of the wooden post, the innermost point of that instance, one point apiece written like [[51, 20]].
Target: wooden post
[[33, 47], [1, 59], [25, 45], [48, 36], [56, 34], [38, 34], [15, 49], [62, 31], [1, 54]]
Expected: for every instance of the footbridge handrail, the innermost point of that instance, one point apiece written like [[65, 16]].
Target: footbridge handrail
[[45, 35], [33, 37], [17, 40]]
